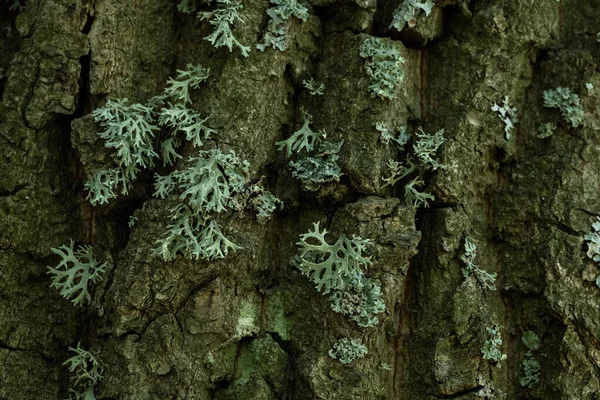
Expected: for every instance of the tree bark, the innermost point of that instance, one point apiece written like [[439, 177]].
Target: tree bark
[[251, 326]]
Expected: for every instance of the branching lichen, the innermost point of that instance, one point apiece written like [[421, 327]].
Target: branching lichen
[[277, 30], [86, 372], [486, 279], [74, 273], [567, 102], [383, 64], [347, 350], [407, 11], [222, 19]]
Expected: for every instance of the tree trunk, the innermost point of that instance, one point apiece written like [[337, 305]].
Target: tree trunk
[[251, 326]]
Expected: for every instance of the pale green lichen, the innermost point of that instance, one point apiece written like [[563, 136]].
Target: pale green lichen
[[86, 372], [75, 272], [328, 266], [568, 104], [508, 115], [593, 239], [347, 350], [492, 347], [313, 87], [276, 35], [388, 136], [546, 130], [317, 158], [383, 64], [178, 88], [486, 279], [407, 11], [222, 19]]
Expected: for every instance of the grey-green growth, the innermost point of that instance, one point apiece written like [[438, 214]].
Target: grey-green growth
[[86, 371], [508, 115], [546, 130], [486, 279], [407, 11], [328, 266], [75, 272], [593, 239], [388, 136], [531, 371], [531, 367], [222, 19], [492, 347], [337, 270], [383, 64], [318, 164], [276, 35], [359, 299], [425, 148], [313, 87], [347, 350], [568, 104], [129, 131]]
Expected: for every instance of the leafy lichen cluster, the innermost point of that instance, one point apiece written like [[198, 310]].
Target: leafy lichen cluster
[[407, 11], [86, 372], [75, 272], [568, 104], [213, 182], [492, 347], [383, 64], [316, 162], [276, 35], [347, 350], [485, 279], [337, 270], [424, 149], [531, 367]]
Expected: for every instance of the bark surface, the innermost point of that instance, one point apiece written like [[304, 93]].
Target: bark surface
[[251, 326]]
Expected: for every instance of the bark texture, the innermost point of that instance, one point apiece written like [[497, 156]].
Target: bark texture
[[251, 326]]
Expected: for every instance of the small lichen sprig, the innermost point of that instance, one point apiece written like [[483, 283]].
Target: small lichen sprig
[[188, 121], [486, 279], [383, 64], [178, 88], [86, 371], [425, 148], [316, 162], [593, 239], [222, 19], [347, 350], [407, 11], [209, 184], [492, 347], [359, 299], [546, 130], [277, 30], [192, 236], [508, 114], [568, 104], [265, 203], [531, 367], [129, 130], [329, 266], [75, 272], [314, 171], [387, 135], [313, 87], [304, 139]]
